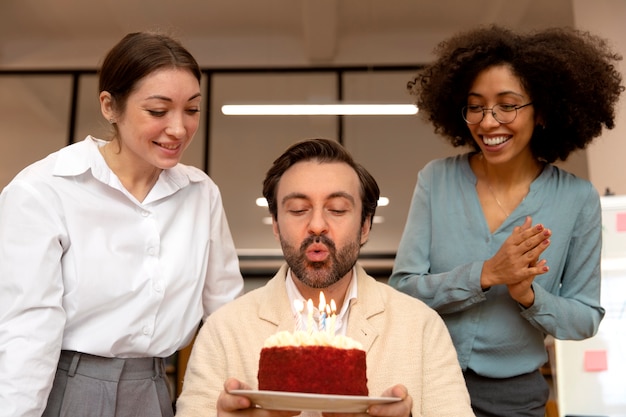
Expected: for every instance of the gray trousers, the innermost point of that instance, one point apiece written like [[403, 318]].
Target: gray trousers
[[93, 386], [519, 396]]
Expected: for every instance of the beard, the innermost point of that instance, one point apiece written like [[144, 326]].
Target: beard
[[324, 273]]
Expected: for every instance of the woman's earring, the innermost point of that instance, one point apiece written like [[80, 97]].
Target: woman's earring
[[111, 120]]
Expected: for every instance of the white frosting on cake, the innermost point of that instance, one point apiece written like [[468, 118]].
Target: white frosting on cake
[[300, 338]]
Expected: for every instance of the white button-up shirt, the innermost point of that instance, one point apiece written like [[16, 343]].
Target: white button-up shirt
[[85, 266], [341, 322]]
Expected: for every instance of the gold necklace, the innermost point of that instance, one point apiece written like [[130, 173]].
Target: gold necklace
[[493, 194], [506, 213]]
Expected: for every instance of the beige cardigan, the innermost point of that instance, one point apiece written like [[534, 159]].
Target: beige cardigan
[[406, 342]]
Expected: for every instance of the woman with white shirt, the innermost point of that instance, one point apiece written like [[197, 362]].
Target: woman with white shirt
[[112, 252]]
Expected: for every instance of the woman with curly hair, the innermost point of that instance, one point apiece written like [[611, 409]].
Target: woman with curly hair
[[503, 244]]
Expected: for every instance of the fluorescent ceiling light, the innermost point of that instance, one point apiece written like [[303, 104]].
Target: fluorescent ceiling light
[[317, 109]]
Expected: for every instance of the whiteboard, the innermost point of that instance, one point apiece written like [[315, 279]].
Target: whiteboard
[[590, 375], [613, 230]]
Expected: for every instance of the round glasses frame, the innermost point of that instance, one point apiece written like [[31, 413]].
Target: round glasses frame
[[504, 109]]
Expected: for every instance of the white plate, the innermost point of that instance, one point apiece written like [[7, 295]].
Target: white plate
[[298, 401]]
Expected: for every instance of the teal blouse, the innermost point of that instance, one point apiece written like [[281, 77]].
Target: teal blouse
[[446, 240]]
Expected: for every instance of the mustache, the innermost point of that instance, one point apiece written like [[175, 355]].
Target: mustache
[[317, 239]]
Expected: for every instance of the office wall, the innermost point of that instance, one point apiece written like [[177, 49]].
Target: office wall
[[606, 155]]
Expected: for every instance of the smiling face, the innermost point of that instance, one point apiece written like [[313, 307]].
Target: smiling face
[[318, 221], [501, 142], [160, 117]]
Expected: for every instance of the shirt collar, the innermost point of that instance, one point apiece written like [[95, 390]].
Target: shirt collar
[[342, 316], [77, 159]]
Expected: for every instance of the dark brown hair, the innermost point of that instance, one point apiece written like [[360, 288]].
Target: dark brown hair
[[136, 56], [324, 151]]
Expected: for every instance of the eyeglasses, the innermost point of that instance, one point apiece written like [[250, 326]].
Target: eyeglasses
[[503, 113]]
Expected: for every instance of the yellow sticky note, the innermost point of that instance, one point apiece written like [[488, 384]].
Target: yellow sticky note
[[595, 361]]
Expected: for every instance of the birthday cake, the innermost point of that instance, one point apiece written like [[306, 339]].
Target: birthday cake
[[317, 363]]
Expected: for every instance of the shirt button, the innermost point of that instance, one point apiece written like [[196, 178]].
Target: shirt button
[[145, 213], [158, 287], [146, 330], [151, 251]]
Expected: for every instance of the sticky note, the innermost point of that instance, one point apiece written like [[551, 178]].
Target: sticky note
[[621, 222], [595, 361]]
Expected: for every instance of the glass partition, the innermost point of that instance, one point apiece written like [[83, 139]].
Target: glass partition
[[243, 147], [34, 116], [392, 148]]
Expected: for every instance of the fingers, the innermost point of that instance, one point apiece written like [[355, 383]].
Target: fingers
[[227, 402], [528, 242], [528, 222], [534, 252], [530, 237], [530, 251], [232, 383], [231, 405], [400, 408], [518, 258]]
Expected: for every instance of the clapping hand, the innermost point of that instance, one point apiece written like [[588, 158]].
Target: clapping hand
[[517, 262]]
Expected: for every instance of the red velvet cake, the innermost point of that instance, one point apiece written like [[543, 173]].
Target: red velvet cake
[[315, 363]]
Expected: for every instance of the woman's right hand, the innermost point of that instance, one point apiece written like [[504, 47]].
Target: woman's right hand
[[517, 263]]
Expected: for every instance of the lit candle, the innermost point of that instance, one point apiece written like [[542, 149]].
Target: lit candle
[[329, 317], [333, 316], [322, 312], [299, 306], [309, 307]]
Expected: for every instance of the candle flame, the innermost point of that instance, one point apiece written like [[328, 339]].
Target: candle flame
[[322, 305]]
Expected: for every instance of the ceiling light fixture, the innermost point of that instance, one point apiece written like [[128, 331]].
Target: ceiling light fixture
[[318, 109]]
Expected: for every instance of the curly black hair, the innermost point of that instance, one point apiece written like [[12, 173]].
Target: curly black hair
[[569, 74]]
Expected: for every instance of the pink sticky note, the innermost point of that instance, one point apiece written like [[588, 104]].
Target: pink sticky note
[[595, 360], [621, 222]]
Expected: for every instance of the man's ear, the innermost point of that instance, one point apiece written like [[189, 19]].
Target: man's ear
[[365, 230], [275, 228]]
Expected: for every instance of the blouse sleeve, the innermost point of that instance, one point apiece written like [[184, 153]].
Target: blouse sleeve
[[32, 318], [224, 281], [574, 312], [446, 292]]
